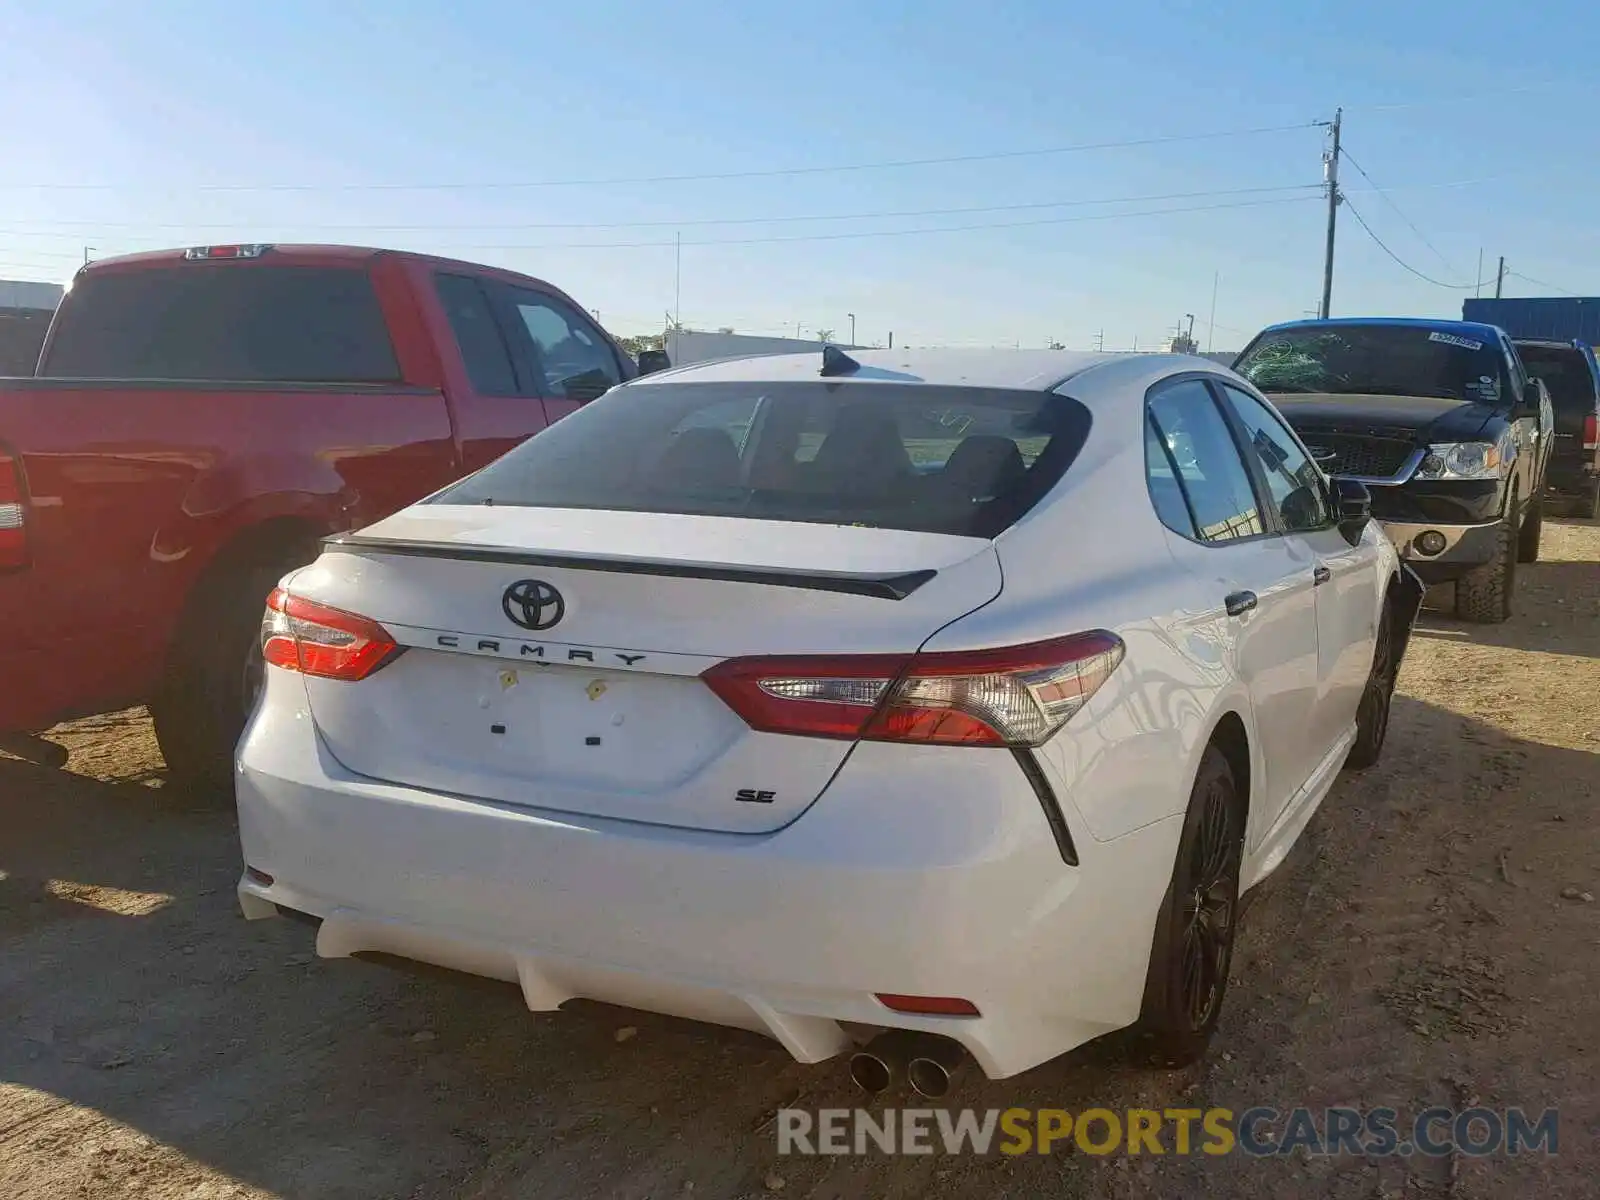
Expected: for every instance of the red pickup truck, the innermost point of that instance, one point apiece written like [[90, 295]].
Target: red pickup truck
[[201, 418]]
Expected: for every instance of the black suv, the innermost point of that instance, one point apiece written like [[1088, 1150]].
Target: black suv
[[1444, 425], [1570, 372]]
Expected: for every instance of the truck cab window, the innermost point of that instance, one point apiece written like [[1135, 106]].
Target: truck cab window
[[478, 337], [575, 360]]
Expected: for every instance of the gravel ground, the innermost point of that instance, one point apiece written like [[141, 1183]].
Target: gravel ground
[[1416, 949]]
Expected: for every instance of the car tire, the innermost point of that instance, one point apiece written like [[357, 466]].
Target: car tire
[[1483, 594], [1193, 944], [1532, 530], [1589, 507], [213, 678], [1372, 717]]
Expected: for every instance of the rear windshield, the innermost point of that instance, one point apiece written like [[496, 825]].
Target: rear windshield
[[1565, 371], [239, 322], [944, 460], [1377, 360]]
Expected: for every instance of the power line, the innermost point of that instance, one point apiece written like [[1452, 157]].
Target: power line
[[1362, 221], [886, 165], [857, 234], [1543, 284], [1390, 202], [674, 224]]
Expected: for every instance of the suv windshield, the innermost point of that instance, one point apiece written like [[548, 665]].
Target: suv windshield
[[1376, 360], [967, 461]]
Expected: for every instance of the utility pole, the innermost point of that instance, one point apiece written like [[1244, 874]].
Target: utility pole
[[1100, 340], [1500, 277], [1477, 285], [677, 281], [1211, 325], [852, 317], [891, 339], [86, 251], [1331, 174]]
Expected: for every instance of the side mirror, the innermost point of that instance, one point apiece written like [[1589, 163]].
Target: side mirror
[[1353, 504], [651, 361], [1532, 401]]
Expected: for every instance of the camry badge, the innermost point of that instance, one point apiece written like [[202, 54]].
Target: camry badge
[[533, 604]]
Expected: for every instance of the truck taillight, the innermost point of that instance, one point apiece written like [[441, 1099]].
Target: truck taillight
[[301, 635], [1591, 432], [13, 513], [1016, 696]]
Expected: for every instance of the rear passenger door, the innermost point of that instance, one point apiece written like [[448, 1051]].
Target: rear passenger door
[[496, 406], [1344, 577], [1225, 536]]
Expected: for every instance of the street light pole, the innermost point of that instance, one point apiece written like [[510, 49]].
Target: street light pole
[[852, 317]]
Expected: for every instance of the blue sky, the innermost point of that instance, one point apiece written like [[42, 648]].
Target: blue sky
[[168, 123]]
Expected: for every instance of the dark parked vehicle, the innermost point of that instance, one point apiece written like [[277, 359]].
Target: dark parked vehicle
[[1441, 421], [1571, 373]]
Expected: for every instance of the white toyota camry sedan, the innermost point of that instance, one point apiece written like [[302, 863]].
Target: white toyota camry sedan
[[948, 692]]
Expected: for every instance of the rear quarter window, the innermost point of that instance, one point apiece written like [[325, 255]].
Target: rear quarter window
[[966, 461], [240, 322]]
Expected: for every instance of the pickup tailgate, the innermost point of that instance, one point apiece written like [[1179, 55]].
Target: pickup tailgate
[[603, 710]]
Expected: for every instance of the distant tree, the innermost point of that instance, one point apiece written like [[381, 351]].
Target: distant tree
[[824, 335], [1054, 345], [646, 341]]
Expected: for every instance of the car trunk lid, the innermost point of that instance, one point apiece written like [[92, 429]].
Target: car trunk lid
[[540, 674]]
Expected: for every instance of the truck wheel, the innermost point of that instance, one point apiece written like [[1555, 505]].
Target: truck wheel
[[1589, 507], [1372, 717], [1532, 528], [215, 676], [1483, 594]]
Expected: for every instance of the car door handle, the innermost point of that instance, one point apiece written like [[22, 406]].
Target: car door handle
[[1320, 575], [1239, 603]]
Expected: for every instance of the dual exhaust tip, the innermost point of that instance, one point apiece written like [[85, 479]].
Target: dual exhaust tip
[[929, 1063]]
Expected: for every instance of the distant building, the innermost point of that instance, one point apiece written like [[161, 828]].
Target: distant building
[[685, 346], [24, 293], [25, 311]]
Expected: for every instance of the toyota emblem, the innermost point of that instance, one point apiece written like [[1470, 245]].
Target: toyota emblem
[[533, 604]]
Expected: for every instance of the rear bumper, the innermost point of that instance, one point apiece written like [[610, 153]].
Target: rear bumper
[[1466, 547], [1571, 477], [947, 883]]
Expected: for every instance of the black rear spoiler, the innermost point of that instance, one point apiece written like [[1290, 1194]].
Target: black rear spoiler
[[884, 587]]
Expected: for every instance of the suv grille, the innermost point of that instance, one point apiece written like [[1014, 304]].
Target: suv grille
[[1373, 457]]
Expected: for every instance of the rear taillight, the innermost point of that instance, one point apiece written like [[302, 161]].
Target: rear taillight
[[301, 635], [1591, 432], [1017, 696], [13, 514]]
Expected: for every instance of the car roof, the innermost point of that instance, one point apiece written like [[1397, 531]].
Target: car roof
[[1022, 370], [1443, 324]]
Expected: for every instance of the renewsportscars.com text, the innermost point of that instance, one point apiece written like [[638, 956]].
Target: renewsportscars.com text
[[1259, 1132]]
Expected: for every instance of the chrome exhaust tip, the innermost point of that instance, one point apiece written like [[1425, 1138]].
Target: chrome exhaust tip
[[934, 1065], [875, 1066]]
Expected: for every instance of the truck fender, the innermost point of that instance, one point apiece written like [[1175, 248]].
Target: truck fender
[[221, 505]]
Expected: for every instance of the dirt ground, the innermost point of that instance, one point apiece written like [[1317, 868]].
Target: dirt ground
[[1415, 950]]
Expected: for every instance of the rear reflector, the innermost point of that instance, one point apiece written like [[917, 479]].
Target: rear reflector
[[301, 635], [1591, 432], [251, 250], [1017, 696], [929, 1006], [13, 514]]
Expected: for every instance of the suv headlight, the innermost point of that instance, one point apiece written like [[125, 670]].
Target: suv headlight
[[1464, 460]]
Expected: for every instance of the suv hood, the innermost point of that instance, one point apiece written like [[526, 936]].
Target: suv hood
[[1432, 418]]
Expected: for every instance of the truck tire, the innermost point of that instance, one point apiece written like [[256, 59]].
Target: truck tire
[[1483, 594], [1532, 529], [215, 675], [1589, 507]]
